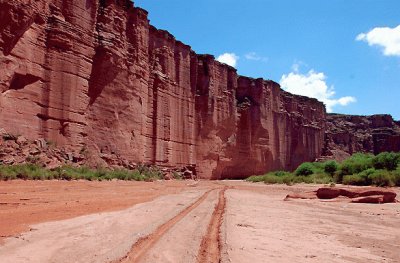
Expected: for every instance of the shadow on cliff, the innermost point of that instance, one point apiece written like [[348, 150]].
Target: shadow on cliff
[[15, 21], [104, 71], [20, 81]]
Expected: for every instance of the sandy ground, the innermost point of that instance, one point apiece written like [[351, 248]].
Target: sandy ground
[[229, 221]]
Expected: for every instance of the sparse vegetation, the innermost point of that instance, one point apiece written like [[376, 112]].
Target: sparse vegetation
[[305, 169], [290, 178], [36, 172], [177, 175], [359, 169], [356, 164], [385, 160], [331, 167]]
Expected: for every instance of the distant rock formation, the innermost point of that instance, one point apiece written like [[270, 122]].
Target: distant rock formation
[[346, 134], [95, 76]]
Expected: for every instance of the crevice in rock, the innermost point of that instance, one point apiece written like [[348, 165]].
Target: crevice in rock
[[64, 128], [63, 122], [154, 118]]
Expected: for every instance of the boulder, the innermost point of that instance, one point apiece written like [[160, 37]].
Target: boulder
[[328, 193], [41, 143], [307, 195], [373, 199], [388, 196], [21, 140]]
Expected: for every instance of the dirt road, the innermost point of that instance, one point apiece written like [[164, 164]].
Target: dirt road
[[188, 222]]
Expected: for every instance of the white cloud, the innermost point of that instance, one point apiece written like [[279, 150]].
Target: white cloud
[[313, 84], [255, 56], [385, 37], [228, 58]]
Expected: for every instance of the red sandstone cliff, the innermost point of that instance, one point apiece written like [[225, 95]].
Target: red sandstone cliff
[[94, 76], [346, 134]]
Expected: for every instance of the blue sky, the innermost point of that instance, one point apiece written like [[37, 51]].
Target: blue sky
[[343, 52]]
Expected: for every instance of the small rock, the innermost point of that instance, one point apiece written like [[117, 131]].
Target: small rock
[[21, 140], [2, 132], [168, 176], [188, 174], [8, 161], [34, 151], [373, 199], [78, 158], [9, 137], [54, 164], [69, 157], [41, 143]]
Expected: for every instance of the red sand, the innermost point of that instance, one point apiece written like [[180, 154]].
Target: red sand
[[186, 221]]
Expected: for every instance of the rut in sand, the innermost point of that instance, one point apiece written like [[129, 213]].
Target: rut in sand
[[210, 248], [144, 244]]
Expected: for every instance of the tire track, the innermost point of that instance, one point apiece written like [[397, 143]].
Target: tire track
[[210, 248], [144, 244]]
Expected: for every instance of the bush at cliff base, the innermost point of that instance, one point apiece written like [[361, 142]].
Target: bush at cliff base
[[385, 160], [331, 167], [359, 169], [305, 169], [36, 172]]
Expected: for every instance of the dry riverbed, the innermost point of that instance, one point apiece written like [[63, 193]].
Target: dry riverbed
[[187, 221]]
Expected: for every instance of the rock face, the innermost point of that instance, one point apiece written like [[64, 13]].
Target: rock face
[[95, 76], [346, 135]]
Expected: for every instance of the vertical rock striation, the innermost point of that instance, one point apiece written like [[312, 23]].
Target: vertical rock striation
[[94, 76]]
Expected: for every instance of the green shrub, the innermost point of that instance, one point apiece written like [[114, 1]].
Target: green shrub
[[280, 173], [385, 160], [277, 177], [318, 167], [7, 173], [360, 179], [372, 177], [305, 169], [354, 180], [273, 179], [290, 179], [256, 178], [321, 178], [359, 169], [330, 167], [396, 177], [177, 175], [308, 173], [356, 164], [24, 172], [382, 178], [35, 172]]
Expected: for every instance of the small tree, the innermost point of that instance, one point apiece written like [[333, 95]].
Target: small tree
[[357, 163], [385, 160], [305, 169], [331, 167]]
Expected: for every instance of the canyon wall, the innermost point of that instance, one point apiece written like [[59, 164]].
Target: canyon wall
[[346, 134], [94, 77]]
